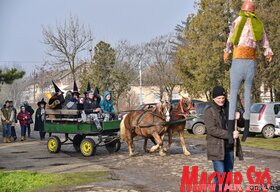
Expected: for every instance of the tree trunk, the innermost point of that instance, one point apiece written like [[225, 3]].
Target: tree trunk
[[277, 95], [271, 94], [207, 96]]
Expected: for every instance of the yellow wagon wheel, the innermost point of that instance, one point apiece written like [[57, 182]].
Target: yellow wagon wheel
[[54, 144], [88, 147]]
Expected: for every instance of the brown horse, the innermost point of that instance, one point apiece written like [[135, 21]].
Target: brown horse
[[148, 124], [179, 112]]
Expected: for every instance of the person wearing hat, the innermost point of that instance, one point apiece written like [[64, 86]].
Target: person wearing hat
[[57, 100], [74, 101], [13, 131], [40, 118], [23, 117], [107, 106], [219, 150], [30, 110], [88, 89], [92, 108], [7, 118], [246, 31]]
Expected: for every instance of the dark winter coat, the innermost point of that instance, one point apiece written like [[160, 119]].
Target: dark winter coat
[[90, 105], [217, 133], [39, 120], [57, 97], [23, 118], [15, 114], [107, 106], [29, 109]]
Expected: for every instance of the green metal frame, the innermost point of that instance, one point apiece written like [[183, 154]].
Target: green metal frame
[[81, 128]]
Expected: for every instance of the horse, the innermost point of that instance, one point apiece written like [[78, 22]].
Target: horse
[[148, 124], [179, 112]]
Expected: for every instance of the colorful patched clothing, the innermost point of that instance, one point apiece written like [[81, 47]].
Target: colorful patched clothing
[[246, 40]]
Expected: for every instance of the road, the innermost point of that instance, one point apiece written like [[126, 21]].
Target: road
[[143, 172]]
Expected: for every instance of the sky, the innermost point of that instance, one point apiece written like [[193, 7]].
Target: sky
[[137, 21]]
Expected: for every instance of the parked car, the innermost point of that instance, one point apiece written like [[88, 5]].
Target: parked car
[[263, 119], [196, 125], [175, 101]]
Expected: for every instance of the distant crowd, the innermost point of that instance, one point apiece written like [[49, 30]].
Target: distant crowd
[[9, 118]]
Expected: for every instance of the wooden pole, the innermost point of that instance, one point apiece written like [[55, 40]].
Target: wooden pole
[[235, 140]]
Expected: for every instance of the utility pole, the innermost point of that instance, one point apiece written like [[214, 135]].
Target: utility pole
[[34, 88], [140, 77]]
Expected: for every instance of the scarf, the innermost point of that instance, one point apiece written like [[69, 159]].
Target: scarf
[[256, 24]]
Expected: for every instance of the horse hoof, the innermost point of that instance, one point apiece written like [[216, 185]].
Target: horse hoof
[[148, 151], [134, 154], [131, 154], [162, 154], [187, 153]]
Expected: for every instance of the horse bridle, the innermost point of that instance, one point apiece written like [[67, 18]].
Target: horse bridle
[[167, 113]]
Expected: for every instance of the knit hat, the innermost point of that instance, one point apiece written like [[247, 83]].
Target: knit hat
[[218, 91]]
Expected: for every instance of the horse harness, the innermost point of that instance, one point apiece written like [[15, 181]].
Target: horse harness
[[140, 118], [182, 111]]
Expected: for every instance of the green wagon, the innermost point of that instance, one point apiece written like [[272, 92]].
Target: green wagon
[[84, 136]]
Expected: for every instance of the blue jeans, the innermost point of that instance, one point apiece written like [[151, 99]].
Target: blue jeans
[[23, 130], [222, 166], [241, 70], [7, 130]]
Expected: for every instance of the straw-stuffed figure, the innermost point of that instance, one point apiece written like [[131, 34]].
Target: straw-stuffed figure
[[245, 32]]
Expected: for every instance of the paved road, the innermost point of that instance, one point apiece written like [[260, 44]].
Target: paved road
[[143, 172]]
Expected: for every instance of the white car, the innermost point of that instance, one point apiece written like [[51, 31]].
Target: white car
[[264, 119]]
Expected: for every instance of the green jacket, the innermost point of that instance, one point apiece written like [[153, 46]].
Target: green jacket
[[7, 115]]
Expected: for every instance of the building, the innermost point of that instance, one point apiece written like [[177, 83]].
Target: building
[[41, 85]]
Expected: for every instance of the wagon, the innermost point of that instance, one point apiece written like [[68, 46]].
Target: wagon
[[84, 136]]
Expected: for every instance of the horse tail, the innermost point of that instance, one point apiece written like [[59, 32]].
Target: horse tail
[[122, 129]]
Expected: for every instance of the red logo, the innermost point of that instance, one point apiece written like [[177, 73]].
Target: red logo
[[232, 181]]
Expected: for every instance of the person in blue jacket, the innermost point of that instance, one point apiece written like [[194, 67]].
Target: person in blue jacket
[[107, 106]]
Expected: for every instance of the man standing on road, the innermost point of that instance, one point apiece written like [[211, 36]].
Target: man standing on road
[[219, 150]]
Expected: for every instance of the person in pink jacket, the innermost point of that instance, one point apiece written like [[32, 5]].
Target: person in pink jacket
[[23, 118]]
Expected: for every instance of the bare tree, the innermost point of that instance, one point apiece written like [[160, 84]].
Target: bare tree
[[42, 77], [130, 55], [161, 70], [66, 41], [14, 91], [128, 58]]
